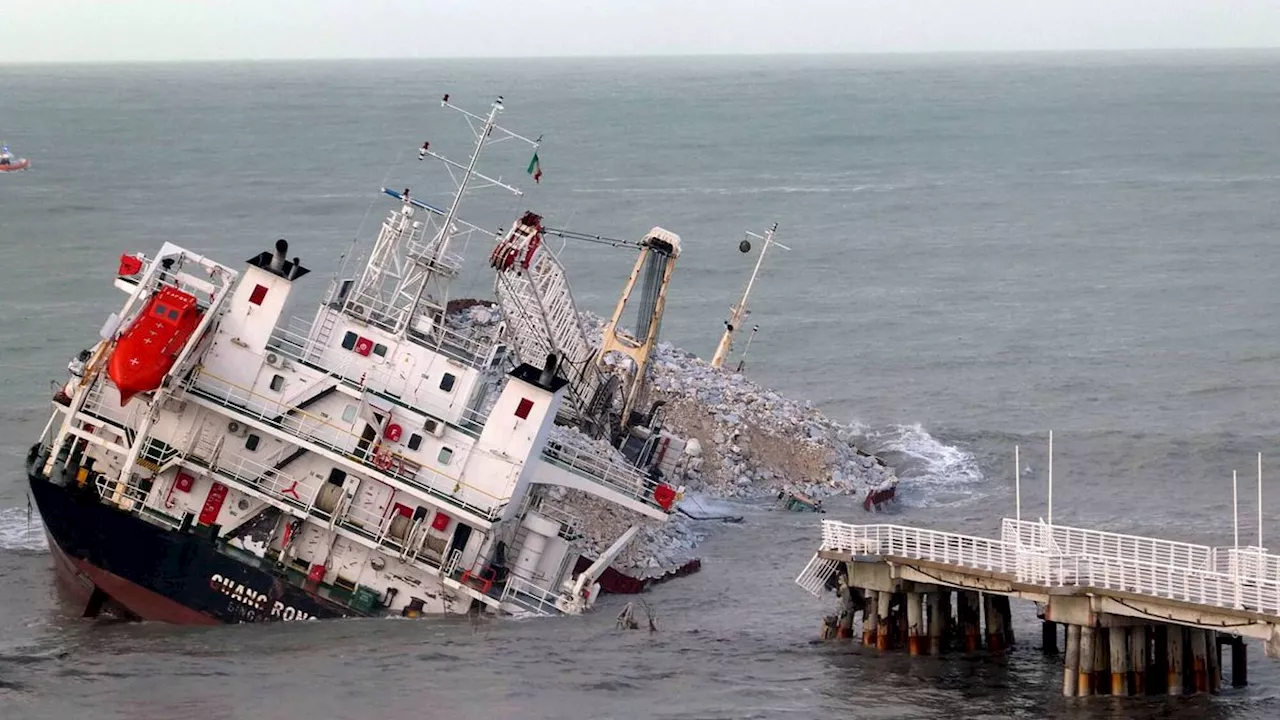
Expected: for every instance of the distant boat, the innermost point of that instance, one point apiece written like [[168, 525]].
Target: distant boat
[[9, 163]]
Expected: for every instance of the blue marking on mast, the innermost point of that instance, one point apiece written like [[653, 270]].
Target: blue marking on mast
[[413, 201]]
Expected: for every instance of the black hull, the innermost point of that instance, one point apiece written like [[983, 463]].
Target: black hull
[[156, 573]]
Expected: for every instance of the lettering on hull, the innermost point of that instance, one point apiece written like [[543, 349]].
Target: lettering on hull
[[254, 606]]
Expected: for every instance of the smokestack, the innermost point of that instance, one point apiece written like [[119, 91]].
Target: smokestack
[[296, 269], [277, 262], [548, 371]]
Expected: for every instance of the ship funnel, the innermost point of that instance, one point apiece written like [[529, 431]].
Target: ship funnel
[[277, 262], [548, 371], [295, 269]]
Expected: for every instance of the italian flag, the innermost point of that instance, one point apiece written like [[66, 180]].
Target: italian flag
[[535, 168]]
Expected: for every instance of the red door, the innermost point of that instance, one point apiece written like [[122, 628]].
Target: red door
[[213, 504]]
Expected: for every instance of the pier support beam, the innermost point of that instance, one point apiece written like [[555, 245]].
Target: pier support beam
[[1239, 663], [869, 619], [934, 621], [1071, 668], [1138, 659], [1118, 648], [970, 618], [1049, 637], [1199, 661], [883, 624], [1174, 648], [1215, 661], [915, 624], [994, 622], [1084, 678]]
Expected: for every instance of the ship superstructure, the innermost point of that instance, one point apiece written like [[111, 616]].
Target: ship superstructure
[[207, 462]]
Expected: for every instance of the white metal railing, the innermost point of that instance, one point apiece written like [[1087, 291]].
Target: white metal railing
[[342, 441], [524, 594], [1195, 581], [587, 461], [1079, 541]]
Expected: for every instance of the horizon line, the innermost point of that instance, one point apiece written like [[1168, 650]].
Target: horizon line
[[655, 56]]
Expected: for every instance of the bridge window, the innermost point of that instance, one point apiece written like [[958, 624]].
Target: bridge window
[[277, 382], [415, 441], [446, 382], [446, 454], [251, 442], [161, 310], [349, 341], [258, 295], [173, 314]]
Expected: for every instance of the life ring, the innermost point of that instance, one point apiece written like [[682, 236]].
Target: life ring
[[383, 461]]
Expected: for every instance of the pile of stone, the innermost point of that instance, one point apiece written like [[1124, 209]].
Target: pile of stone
[[745, 442]]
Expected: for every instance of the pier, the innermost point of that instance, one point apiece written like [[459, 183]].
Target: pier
[[1136, 615]]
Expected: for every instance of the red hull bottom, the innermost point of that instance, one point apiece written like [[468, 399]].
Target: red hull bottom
[[78, 579]]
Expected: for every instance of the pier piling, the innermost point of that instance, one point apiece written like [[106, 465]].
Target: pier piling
[[1118, 649], [915, 624], [1174, 650], [1071, 669], [1138, 653], [1049, 637], [1084, 681], [883, 625], [1199, 661], [1239, 663]]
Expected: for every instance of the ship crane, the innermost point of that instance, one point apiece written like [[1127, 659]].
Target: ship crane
[[606, 382]]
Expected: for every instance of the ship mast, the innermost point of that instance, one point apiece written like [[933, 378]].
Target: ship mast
[[407, 275], [738, 313]]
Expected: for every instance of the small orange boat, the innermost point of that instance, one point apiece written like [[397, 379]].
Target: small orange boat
[[145, 353], [8, 163]]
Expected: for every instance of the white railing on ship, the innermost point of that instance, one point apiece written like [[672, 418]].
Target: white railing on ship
[[1193, 584], [381, 379], [588, 463], [533, 598], [342, 441]]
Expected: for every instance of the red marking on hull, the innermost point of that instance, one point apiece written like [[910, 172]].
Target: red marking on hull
[[16, 165], [80, 577], [145, 353]]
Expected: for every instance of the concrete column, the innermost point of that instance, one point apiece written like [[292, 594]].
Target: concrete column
[[883, 626], [1199, 661], [1174, 650], [1118, 648], [1215, 661], [994, 622], [945, 624], [915, 624], [1071, 668], [844, 620], [1138, 660], [869, 620], [970, 618], [1101, 662], [1084, 680], [933, 622], [1239, 663], [1005, 606], [1049, 637]]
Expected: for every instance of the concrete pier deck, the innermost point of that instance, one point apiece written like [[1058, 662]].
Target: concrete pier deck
[[1133, 609]]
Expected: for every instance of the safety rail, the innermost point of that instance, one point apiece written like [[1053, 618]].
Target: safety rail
[[587, 462], [1251, 562], [300, 494], [533, 598], [343, 442], [1079, 541], [292, 341], [1198, 584], [428, 254]]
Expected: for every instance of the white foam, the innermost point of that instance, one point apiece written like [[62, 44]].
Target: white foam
[[933, 473], [16, 533]]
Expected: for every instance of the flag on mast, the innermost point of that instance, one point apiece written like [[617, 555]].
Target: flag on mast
[[535, 168]]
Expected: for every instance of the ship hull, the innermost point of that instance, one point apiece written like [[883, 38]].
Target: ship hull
[[105, 557]]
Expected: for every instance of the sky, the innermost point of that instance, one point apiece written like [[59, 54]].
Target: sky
[[159, 30]]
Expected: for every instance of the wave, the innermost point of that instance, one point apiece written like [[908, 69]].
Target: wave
[[17, 532], [932, 473]]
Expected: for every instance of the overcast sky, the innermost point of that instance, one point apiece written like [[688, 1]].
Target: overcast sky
[[106, 30]]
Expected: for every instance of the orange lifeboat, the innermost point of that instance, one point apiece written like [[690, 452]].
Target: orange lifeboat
[[145, 353]]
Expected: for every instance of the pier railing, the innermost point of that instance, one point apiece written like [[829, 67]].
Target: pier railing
[[1067, 557]]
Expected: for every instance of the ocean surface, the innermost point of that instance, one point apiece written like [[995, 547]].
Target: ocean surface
[[984, 249]]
